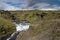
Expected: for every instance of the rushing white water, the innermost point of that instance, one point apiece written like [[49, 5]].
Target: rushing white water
[[23, 26], [13, 36]]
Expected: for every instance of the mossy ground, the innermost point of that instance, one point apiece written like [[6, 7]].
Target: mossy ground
[[39, 20]]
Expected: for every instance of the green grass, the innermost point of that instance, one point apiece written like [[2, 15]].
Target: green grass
[[6, 28], [38, 23]]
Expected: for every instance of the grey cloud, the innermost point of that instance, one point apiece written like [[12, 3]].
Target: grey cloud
[[33, 2]]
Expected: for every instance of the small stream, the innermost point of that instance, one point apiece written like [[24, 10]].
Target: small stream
[[23, 26]]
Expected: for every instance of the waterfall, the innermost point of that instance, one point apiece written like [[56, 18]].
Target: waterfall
[[23, 26]]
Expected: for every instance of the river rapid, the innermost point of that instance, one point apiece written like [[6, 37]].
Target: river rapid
[[23, 26]]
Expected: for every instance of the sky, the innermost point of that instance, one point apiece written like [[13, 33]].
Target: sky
[[29, 4]]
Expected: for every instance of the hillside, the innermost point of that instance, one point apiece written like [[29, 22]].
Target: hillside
[[45, 25]]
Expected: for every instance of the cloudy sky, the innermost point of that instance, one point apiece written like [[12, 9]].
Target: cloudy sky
[[30, 4]]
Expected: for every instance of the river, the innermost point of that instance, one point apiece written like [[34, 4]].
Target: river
[[23, 26]]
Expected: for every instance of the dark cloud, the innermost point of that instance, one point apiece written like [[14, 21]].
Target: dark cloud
[[33, 2]]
